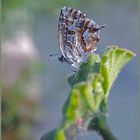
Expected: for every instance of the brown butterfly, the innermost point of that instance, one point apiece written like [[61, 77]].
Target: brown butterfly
[[77, 36]]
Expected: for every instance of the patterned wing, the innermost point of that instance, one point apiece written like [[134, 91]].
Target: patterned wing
[[67, 31], [77, 34]]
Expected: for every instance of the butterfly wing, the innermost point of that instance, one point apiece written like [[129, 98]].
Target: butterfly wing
[[66, 31], [77, 34]]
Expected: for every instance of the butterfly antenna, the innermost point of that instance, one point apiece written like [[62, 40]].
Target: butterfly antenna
[[52, 56], [102, 26]]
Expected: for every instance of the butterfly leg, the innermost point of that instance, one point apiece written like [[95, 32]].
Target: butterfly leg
[[73, 67]]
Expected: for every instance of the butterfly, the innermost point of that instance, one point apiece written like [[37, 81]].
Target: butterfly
[[77, 36]]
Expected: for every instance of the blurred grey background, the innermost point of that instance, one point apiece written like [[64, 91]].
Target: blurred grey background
[[35, 23]]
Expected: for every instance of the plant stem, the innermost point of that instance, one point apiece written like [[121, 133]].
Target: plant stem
[[99, 125]]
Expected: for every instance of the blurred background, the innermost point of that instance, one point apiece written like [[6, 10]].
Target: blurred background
[[34, 89]]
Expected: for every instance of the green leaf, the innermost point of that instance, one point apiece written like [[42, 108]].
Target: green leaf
[[90, 66], [112, 62], [60, 135], [49, 135]]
